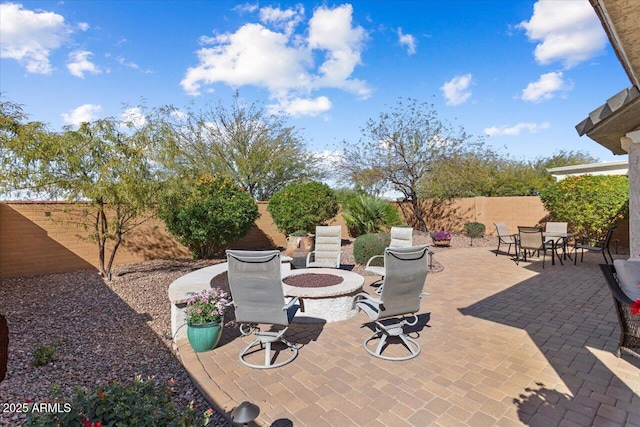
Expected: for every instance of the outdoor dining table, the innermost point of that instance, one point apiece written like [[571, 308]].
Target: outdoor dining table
[[559, 240]]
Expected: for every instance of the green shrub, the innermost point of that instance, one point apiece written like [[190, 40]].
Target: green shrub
[[369, 214], [208, 214], [590, 204], [45, 354], [475, 230], [368, 245], [137, 403], [302, 206]]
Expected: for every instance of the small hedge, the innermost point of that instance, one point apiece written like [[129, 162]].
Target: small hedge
[[303, 206], [368, 245], [208, 214], [475, 230]]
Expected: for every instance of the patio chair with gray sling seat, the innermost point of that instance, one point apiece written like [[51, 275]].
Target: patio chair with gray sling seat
[[530, 239], [255, 282], [595, 245], [504, 237], [402, 291]]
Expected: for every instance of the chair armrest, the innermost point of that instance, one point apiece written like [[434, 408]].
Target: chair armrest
[[289, 304], [363, 295], [309, 258], [371, 259]]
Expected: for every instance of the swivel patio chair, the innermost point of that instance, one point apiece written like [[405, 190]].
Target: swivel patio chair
[[255, 282], [629, 323], [402, 291], [530, 239], [328, 249], [401, 237], [504, 237], [595, 245]]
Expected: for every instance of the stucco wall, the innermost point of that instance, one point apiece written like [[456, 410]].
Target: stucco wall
[[40, 238]]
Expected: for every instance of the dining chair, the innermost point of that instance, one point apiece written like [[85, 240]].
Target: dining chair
[[531, 239], [595, 245], [505, 237]]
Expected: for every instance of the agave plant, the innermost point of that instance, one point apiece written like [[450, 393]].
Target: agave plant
[[365, 214]]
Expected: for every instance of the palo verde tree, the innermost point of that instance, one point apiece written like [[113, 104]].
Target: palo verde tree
[[242, 142], [101, 165], [400, 147]]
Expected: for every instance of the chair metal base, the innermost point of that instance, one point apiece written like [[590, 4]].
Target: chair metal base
[[264, 340], [394, 329]]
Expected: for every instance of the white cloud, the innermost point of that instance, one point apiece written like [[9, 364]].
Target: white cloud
[[516, 129], [79, 63], [407, 40], [456, 91], [82, 114], [29, 37], [332, 30], [286, 20], [301, 106], [134, 116], [282, 60], [246, 8], [83, 26], [545, 88], [567, 31]]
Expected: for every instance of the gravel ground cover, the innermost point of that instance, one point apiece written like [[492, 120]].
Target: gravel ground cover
[[110, 330]]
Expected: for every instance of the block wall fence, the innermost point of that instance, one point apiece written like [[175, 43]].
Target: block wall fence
[[44, 237]]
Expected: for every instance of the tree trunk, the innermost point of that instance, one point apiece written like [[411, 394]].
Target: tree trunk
[[101, 235], [417, 212], [113, 253]]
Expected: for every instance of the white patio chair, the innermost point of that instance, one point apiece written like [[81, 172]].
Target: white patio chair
[[328, 247]]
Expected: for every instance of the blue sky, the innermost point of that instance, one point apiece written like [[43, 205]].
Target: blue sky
[[520, 74]]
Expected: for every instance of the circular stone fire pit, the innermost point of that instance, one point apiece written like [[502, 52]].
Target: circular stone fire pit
[[329, 303]]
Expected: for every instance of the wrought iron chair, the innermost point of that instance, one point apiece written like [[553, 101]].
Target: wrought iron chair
[[629, 323], [255, 282], [402, 291], [595, 245]]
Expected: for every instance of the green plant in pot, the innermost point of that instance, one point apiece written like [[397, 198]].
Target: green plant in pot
[[205, 315]]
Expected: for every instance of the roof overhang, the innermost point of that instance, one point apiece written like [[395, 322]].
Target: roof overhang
[[621, 113], [606, 168], [613, 120]]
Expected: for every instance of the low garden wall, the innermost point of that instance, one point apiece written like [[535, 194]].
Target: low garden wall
[[43, 237]]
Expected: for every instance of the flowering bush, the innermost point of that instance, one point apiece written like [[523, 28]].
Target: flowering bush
[[207, 306], [140, 403], [440, 235]]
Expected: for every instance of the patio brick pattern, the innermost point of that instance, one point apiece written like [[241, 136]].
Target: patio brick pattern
[[502, 345]]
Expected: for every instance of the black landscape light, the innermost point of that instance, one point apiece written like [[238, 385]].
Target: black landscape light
[[245, 413]]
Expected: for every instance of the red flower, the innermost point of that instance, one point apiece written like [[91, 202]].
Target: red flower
[[101, 395], [97, 424], [635, 307], [86, 423]]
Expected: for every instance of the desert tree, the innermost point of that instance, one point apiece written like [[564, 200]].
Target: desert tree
[[102, 165], [242, 142], [400, 148]]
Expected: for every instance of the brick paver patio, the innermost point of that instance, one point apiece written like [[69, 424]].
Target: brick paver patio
[[501, 345]]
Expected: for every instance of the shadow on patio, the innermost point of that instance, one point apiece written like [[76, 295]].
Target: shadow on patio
[[501, 345]]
